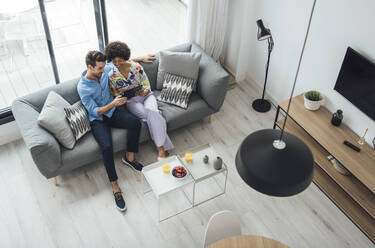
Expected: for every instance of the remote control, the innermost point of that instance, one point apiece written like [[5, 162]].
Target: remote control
[[357, 149]]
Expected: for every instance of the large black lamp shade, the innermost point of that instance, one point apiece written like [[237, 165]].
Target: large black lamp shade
[[271, 170]]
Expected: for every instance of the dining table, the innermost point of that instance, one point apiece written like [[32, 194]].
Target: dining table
[[247, 241]]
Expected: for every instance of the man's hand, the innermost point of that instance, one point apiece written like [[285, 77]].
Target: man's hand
[[146, 59], [119, 100]]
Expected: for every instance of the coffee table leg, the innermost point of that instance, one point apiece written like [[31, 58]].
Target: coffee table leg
[[223, 189], [159, 210], [190, 206], [194, 194], [188, 198], [226, 177], [144, 184], [225, 181]]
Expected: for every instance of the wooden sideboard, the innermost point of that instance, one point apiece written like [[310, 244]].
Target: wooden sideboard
[[353, 194]]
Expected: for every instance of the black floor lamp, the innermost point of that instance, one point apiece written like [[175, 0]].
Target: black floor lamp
[[262, 105]]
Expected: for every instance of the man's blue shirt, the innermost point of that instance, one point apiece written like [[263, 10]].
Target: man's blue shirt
[[95, 94]]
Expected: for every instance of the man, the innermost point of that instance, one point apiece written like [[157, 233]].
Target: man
[[104, 113]]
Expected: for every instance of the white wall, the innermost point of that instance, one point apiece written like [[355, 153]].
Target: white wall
[[336, 25]]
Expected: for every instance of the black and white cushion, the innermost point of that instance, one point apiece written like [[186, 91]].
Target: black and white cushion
[[78, 119], [177, 90]]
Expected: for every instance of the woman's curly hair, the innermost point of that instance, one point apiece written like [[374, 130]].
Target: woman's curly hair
[[116, 49]]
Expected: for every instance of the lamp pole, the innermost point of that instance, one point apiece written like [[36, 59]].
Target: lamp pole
[[270, 47]]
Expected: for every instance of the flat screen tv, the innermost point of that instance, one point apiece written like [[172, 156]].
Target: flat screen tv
[[356, 82]]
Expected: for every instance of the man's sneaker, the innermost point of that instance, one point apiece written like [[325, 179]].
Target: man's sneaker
[[135, 165], [120, 202]]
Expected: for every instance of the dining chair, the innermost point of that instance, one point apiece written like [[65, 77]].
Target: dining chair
[[222, 225]]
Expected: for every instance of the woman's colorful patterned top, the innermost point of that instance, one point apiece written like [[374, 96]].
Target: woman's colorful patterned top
[[117, 81]]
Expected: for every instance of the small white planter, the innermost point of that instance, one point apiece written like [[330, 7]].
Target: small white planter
[[312, 105]]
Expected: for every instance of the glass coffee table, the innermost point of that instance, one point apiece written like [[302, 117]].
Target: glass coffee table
[[202, 183], [208, 182], [168, 188]]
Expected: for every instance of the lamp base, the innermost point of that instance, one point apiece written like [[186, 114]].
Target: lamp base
[[261, 105]]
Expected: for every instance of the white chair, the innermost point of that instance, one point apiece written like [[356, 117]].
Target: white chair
[[222, 225]]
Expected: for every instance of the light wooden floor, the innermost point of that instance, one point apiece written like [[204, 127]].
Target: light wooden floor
[[146, 26], [80, 212]]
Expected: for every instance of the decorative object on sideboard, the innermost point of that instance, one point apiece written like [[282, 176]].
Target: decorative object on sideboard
[[313, 100], [275, 162], [352, 146], [262, 105], [361, 140], [205, 159], [218, 163], [338, 166], [337, 118]]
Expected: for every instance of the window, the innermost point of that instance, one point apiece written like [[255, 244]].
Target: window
[[24, 60], [73, 32], [75, 27]]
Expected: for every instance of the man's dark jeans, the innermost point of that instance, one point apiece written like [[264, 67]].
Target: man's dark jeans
[[102, 133]]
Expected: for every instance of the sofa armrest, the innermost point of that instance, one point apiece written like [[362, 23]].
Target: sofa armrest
[[44, 148], [212, 82]]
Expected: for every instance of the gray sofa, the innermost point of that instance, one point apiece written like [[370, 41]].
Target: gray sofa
[[52, 159]]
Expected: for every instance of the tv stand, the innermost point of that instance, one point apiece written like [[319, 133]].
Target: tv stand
[[353, 194]]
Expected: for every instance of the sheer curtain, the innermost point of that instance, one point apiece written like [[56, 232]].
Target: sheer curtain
[[207, 22]]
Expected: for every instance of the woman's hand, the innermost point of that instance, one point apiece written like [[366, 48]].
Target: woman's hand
[[146, 59], [143, 92]]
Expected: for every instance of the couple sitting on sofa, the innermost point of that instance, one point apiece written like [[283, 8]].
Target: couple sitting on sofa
[[103, 89]]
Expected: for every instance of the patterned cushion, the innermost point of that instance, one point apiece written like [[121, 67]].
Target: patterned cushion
[[78, 119], [177, 90]]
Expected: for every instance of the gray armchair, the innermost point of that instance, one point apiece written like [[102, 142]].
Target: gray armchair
[[52, 159]]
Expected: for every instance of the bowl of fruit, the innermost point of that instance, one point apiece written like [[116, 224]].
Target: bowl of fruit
[[179, 172]]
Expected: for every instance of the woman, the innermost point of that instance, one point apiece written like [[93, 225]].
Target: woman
[[124, 76]]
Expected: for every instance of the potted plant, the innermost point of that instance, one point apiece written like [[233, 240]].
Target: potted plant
[[313, 100]]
